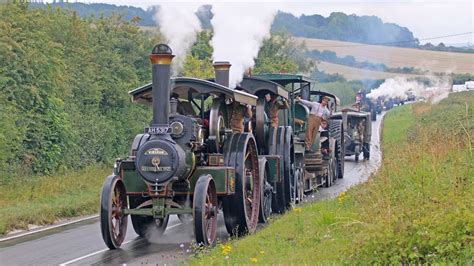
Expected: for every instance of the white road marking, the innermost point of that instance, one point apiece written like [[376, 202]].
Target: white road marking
[[48, 228], [103, 250]]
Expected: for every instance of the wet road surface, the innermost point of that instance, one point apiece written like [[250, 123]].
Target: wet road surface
[[82, 244]]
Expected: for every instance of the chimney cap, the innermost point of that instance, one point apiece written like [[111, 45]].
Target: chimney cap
[[161, 49], [221, 63]]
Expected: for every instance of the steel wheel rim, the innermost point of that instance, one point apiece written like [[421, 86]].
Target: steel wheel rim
[[210, 215], [251, 184], [116, 220]]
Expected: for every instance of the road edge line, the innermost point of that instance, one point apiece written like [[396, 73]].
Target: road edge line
[[47, 228]]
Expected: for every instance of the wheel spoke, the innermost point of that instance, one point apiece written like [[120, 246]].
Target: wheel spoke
[[249, 200]]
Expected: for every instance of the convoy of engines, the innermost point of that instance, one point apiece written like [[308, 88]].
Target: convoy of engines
[[193, 162]]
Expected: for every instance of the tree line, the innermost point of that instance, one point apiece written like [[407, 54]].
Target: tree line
[[337, 26]]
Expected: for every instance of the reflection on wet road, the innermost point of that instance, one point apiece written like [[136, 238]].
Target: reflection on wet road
[[82, 243]]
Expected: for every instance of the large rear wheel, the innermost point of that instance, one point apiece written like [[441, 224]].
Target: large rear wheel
[[266, 192], [113, 224], [279, 198], [205, 211], [336, 130], [366, 151], [241, 210]]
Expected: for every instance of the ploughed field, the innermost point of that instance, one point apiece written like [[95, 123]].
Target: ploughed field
[[434, 61], [352, 73]]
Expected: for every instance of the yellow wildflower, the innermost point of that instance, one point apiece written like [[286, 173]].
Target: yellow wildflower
[[226, 249], [297, 210], [254, 260], [341, 197], [262, 252]]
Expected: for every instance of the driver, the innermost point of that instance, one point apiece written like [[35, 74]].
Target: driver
[[273, 107], [237, 114], [184, 107]]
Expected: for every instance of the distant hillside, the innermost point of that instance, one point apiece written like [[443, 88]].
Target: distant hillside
[[391, 57], [338, 26], [342, 27]]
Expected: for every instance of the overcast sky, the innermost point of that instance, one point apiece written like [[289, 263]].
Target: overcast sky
[[425, 19]]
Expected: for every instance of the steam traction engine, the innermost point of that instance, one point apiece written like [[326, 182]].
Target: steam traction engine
[[281, 156], [317, 169], [186, 162]]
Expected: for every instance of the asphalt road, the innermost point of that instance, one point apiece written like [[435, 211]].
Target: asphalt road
[[81, 243]]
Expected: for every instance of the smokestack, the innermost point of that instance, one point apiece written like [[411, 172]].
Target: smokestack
[[221, 70], [161, 57]]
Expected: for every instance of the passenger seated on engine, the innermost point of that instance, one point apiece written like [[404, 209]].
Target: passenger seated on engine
[[184, 107]]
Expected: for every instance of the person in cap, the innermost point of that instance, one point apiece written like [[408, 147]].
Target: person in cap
[[273, 106], [318, 112], [238, 112], [356, 106], [184, 107]]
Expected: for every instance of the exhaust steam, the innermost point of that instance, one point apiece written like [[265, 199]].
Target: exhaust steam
[[179, 24], [400, 87], [239, 30]]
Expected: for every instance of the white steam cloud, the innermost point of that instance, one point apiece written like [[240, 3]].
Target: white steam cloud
[[239, 30], [179, 25], [399, 87]]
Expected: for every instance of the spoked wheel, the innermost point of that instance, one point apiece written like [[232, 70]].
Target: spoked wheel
[[279, 199], [146, 225], [366, 151], [300, 186], [356, 152], [217, 126], [289, 169], [113, 200], [332, 172], [266, 192], [205, 208], [241, 209]]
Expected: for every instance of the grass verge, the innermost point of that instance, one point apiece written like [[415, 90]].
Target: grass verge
[[43, 200], [417, 209]]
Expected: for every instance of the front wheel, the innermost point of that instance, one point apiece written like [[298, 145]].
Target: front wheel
[[366, 151], [113, 224], [205, 208]]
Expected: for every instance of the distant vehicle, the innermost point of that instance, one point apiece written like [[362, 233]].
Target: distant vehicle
[[379, 105], [459, 87], [388, 104], [357, 132], [367, 105], [411, 97], [469, 85]]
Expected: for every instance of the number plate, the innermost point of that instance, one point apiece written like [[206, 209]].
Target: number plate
[[157, 130]]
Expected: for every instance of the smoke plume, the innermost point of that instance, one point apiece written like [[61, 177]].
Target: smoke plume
[[398, 87], [179, 25], [239, 30]]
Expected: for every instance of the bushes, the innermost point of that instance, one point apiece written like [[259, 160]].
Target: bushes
[[64, 86]]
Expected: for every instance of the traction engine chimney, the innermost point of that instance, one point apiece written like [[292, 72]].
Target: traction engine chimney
[[221, 70], [161, 57]]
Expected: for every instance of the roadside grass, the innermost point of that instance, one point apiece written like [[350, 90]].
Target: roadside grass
[[44, 200], [418, 208]]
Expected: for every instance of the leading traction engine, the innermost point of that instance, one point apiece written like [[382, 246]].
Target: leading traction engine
[[160, 158], [184, 164]]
